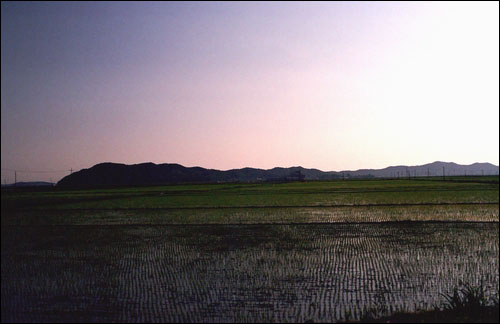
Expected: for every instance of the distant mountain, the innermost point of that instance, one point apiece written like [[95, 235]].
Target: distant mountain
[[432, 169], [115, 174]]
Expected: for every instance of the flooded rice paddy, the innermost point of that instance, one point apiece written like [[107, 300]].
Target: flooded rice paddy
[[238, 273]]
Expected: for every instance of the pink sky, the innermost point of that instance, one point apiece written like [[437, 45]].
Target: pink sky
[[331, 86]]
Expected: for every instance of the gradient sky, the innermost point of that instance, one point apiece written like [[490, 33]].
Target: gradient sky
[[331, 85]]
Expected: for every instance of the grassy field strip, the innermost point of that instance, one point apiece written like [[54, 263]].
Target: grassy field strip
[[254, 273], [368, 192], [293, 186], [257, 190], [235, 200], [160, 200]]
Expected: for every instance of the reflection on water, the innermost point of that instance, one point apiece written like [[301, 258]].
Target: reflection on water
[[250, 273]]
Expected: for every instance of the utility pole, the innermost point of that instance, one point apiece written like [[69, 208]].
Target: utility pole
[[443, 173], [15, 178], [71, 171], [428, 175]]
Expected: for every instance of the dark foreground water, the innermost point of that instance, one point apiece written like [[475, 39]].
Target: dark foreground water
[[245, 273]]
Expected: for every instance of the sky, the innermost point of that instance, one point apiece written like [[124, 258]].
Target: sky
[[223, 85]]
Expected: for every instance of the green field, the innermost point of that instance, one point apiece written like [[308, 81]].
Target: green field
[[334, 201], [283, 252]]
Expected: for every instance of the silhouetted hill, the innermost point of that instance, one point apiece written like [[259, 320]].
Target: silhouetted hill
[[115, 174], [150, 173]]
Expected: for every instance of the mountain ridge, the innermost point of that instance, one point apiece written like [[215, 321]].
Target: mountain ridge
[[148, 173]]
